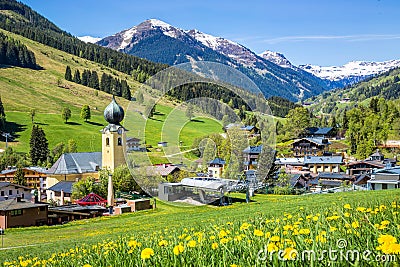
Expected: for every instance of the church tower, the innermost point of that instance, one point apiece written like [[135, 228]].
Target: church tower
[[113, 137]]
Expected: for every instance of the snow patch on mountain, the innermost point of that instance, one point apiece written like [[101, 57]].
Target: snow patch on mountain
[[351, 69], [277, 58], [89, 39]]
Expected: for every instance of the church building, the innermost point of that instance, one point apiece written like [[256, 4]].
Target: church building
[[77, 166]]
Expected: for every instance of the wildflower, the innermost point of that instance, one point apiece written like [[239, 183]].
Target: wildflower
[[163, 243], [267, 235], [224, 241], [147, 253], [191, 244], [347, 206], [387, 239], [244, 226], [346, 214], [133, 244], [234, 265], [289, 253], [178, 249], [222, 234], [271, 247], [304, 231], [355, 224], [385, 222], [87, 265], [361, 209], [275, 238], [214, 245], [258, 232]]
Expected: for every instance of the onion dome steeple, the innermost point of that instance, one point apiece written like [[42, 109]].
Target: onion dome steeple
[[114, 113]]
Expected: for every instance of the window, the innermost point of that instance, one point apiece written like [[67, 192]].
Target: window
[[2, 193], [107, 141], [119, 141], [384, 186], [10, 192], [16, 212], [42, 208]]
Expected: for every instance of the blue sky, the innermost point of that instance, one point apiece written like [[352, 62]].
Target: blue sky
[[320, 32]]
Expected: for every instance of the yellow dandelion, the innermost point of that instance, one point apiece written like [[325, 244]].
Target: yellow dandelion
[[178, 249], [163, 243], [147, 253], [258, 232], [289, 253], [347, 206], [214, 245], [275, 238], [387, 239], [191, 244]]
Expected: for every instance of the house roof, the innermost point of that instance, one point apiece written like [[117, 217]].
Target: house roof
[[289, 161], [295, 179], [132, 139], [5, 184], [325, 182], [323, 159], [377, 154], [206, 183], [373, 163], [361, 178], [91, 199], [65, 186], [393, 170], [217, 161], [315, 140], [333, 176], [253, 149], [13, 204], [318, 130], [74, 163], [165, 170]]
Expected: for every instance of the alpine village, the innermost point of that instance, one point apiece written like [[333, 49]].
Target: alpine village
[[100, 167]]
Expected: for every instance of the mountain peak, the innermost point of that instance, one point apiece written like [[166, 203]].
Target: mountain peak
[[158, 23], [277, 58]]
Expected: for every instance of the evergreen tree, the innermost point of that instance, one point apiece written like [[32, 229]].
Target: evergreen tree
[[19, 177], [68, 73], [39, 147], [139, 97], [2, 116], [72, 146], [189, 111], [2, 113], [94, 80], [85, 113], [77, 77], [85, 78], [150, 109], [66, 114], [125, 90], [32, 113]]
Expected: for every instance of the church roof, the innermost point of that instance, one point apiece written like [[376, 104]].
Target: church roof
[[114, 113], [76, 163]]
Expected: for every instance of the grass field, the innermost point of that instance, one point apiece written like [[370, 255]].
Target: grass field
[[218, 236]]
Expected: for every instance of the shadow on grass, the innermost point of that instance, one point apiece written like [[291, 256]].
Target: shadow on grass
[[197, 120], [154, 119], [14, 129], [73, 123], [158, 113], [94, 123], [40, 123]]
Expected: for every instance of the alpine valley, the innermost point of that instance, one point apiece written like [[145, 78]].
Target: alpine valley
[[274, 74]]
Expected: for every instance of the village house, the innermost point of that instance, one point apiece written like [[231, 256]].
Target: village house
[[250, 130], [19, 212], [323, 163], [373, 162], [133, 144], [216, 168], [35, 176], [61, 192], [388, 178], [250, 155], [310, 146], [11, 191], [290, 163]]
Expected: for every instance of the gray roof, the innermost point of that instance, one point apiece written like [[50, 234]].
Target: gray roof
[[36, 169], [201, 182], [65, 186], [13, 204], [76, 163], [323, 159], [319, 130], [334, 176], [394, 170], [217, 161], [315, 140], [5, 184], [253, 149]]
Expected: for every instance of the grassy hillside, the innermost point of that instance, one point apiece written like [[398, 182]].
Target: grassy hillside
[[312, 222], [386, 85]]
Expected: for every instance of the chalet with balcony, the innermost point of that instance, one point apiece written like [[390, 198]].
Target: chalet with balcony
[[35, 176], [323, 163], [309, 146]]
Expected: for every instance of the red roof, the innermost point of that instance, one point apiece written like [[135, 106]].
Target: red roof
[[92, 199]]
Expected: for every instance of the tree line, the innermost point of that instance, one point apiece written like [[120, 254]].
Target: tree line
[[38, 28], [13, 53], [107, 84]]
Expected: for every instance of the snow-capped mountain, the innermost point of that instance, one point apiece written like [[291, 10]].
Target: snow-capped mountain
[[351, 72], [161, 42], [277, 58], [89, 39]]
